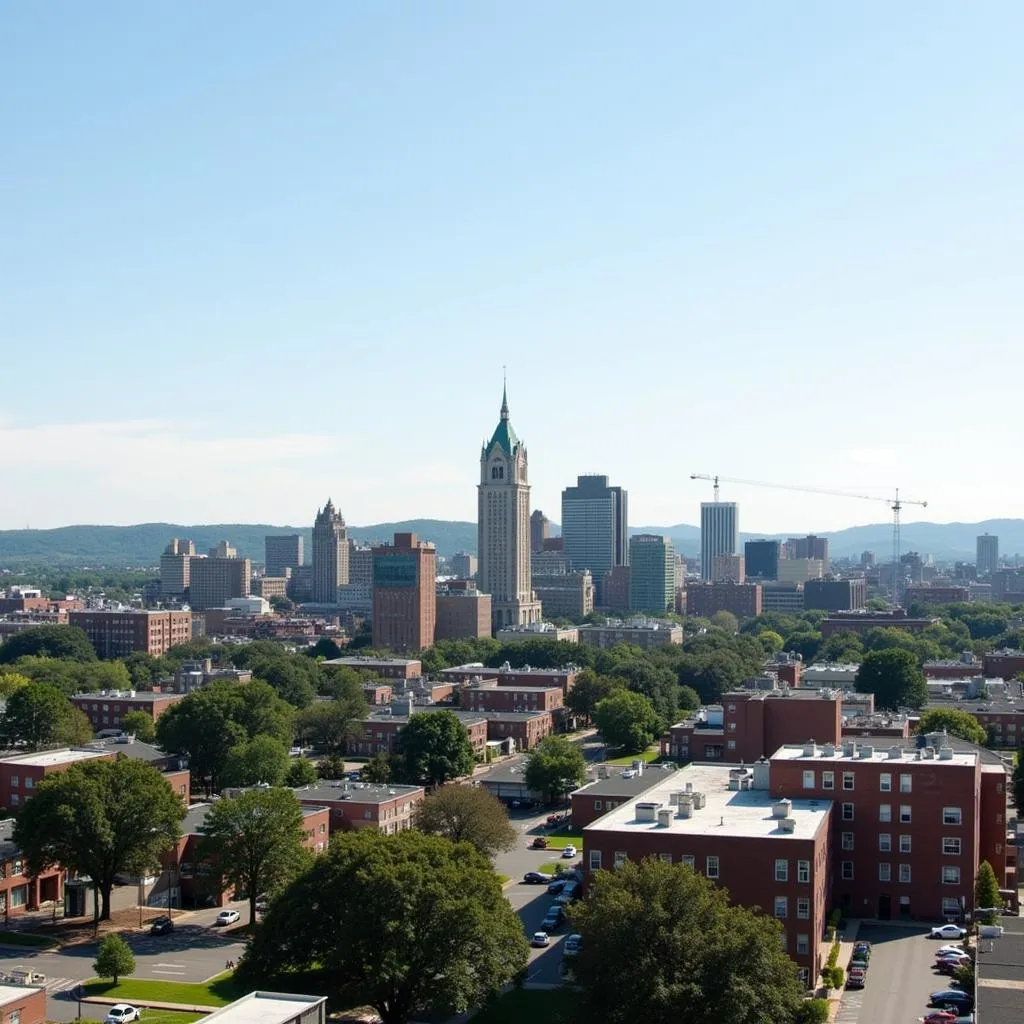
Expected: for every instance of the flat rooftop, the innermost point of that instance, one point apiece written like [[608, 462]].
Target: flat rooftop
[[741, 814], [139, 696], [879, 753], [51, 758], [373, 662], [1000, 974], [268, 1008], [358, 792], [507, 772], [621, 782], [15, 993], [197, 815], [466, 717]]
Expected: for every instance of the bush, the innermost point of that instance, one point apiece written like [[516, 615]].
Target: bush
[[833, 976], [812, 1011]]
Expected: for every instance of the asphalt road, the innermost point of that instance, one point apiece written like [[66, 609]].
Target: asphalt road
[[900, 977]]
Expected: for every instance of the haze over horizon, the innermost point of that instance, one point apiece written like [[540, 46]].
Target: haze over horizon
[[254, 258]]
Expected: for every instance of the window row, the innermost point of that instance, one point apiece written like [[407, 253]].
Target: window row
[[803, 908], [950, 873], [828, 781], [803, 871], [950, 815]]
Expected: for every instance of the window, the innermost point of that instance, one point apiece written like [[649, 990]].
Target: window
[[597, 805], [905, 874], [731, 744], [803, 908], [951, 845], [687, 859], [29, 782], [950, 874], [847, 812], [666, 857], [732, 727], [885, 872], [368, 814], [828, 780], [885, 812], [14, 782], [804, 976], [884, 842], [19, 896], [803, 870], [885, 782], [732, 709], [595, 860], [950, 905], [620, 858], [951, 815], [906, 782], [904, 844], [782, 871], [904, 814], [847, 780], [711, 869], [809, 780], [19, 867], [15, 799], [14, 1017], [803, 945], [782, 907], [847, 870], [847, 840]]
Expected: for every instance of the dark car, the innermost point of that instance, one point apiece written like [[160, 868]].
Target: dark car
[[862, 950], [536, 878], [539, 843], [552, 919], [555, 887], [962, 1001], [161, 926]]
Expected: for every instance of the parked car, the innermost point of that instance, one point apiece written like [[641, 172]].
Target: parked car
[[857, 964], [556, 886], [119, 1013], [862, 949], [569, 852], [540, 939], [536, 878], [552, 919], [570, 891], [227, 917], [856, 978], [572, 945], [554, 820], [161, 926], [958, 950], [948, 931], [539, 843], [952, 997], [949, 966], [940, 1017]]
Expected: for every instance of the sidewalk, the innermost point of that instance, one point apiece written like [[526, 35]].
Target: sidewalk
[[846, 941], [151, 1004]]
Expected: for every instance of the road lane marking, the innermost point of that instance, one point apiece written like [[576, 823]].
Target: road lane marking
[[155, 971]]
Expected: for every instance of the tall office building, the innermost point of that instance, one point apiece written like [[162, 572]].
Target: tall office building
[[360, 564], [503, 527], [330, 554], [988, 554], [282, 551], [761, 559], [808, 547], [595, 527], [652, 573], [719, 533], [215, 579], [404, 594], [728, 569], [540, 530], [174, 567]]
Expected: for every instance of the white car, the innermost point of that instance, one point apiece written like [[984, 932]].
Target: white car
[[951, 951], [122, 1012], [227, 917], [540, 940], [569, 852], [948, 931]]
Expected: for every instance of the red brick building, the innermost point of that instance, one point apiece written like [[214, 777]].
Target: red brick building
[[929, 593], [613, 785], [508, 676], [107, 708], [862, 621], [23, 1004], [524, 728], [404, 594], [462, 612], [377, 693], [18, 891], [354, 805], [752, 723], [118, 634], [742, 599], [487, 695], [953, 668], [1004, 664], [379, 731], [385, 668], [648, 635]]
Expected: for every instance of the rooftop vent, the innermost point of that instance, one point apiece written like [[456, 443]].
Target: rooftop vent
[[829, 750], [664, 816], [647, 810], [867, 751], [928, 754], [945, 753], [685, 805], [810, 749], [781, 808], [788, 824], [602, 771], [895, 753], [850, 749]]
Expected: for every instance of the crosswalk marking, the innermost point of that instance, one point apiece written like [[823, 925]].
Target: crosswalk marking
[[850, 1007], [55, 985]]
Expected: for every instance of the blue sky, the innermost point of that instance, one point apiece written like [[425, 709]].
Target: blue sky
[[254, 254]]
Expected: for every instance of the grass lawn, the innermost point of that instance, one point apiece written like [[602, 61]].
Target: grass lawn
[[539, 1006], [502, 879], [219, 992], [649, 755], [169, 1017], [9, 938], [560, 840]]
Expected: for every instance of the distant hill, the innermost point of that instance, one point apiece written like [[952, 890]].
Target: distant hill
[[142, 544]]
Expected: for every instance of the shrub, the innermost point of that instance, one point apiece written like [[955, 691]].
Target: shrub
[[812, 1011]]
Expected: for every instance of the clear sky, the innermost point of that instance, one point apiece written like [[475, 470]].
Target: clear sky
[[254, 254]]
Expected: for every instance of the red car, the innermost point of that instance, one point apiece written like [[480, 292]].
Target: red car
[[539, 843], [940, 1017]]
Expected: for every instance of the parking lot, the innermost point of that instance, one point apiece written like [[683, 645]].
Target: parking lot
[[900, 978]]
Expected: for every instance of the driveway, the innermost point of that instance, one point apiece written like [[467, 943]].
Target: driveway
[[900, 977]]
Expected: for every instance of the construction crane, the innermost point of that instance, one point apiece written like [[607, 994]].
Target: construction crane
[[895, 504]]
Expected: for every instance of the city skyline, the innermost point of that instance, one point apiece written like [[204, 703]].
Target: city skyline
[[619, 205]]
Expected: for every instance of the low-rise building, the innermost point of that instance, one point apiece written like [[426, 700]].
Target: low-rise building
[[999, 974], [834, 595], [830, 675], [116, 634], [462, 613], [519, 730], [270, 586], [862, 621], [271, 1008], [23, 1004], [647, 634], [379, 731], [936, 593], [507, 782], [386, 668], [954, 668], [1004, 663], [355, 805], [486, 695], [741, 599], [19, 891], [377, 693], [107, 708], [537, 631], [606, 787], [506, 675]]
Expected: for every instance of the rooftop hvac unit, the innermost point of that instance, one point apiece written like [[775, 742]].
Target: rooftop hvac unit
[[664, 816], [685, 805], [788, 824], [781, 808], [810, 749], [699, 800], [895, 753], [928, 754], [945, 753], [867, 751], [647, 810], [829, 750], [850, 749]]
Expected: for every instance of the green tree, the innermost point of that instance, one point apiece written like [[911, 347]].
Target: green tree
[[726, 620], [771, 641], [627, 720], [954, 721], [1017, 780], [261, 760], [588, 690], [467, 814], [140, 725], [301, 772], [330, 724], [255, 841], [382, 767], [101, 819], [333, 767], [715, 963], [143, 668], [812, 1011], [895, 679], [37, 715], [68, 643], [986, 891], [555, 767], [114, 958], [844, 647], [435, 748], [409, 924], [804, 642], [281, 604], [325, 647], [11, 681], [689, 698]]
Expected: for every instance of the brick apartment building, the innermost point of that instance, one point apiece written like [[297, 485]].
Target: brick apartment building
[[404, 594], [519, 730], [15, 601], [354, 805], [932, 593], [385, 668], [750, 724], [107, 708], [612, 786], [379, 731], [647, 634], [18, 891], [742, 599], [862, 621], [954, 668], [727, 824], [462, 612], [1004, 664], [508, 676], [377, 693], [118, 634], [23, 1004], [487, 695]]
